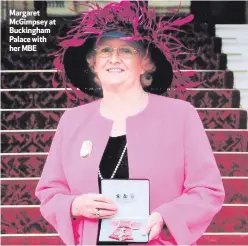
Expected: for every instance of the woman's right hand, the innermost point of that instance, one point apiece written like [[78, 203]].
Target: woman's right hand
[[88, 205]]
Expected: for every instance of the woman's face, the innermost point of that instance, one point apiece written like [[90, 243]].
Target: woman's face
[[113, 69]]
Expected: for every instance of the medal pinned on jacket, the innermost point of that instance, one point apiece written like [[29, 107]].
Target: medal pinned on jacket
[[86, 148]]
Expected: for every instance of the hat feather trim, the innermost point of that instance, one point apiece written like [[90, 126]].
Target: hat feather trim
[[133, 18]]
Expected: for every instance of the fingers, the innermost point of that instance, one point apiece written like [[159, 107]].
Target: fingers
[[105, 206], [152, 228], [103, 214], [147, 229], [154, 233], [106, 213], [102, 198]]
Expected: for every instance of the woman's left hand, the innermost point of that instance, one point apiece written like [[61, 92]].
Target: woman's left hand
[[154, 226]]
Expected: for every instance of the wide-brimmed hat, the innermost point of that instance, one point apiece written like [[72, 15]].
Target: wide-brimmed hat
[[81, 76], [127, 20]]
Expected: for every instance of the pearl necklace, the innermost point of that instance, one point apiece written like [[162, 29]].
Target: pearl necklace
[[124, 150], [117, 166]]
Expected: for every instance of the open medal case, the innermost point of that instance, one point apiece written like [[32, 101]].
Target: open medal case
[[132, 197]]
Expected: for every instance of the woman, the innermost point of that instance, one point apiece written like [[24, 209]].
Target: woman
[[129, 134]]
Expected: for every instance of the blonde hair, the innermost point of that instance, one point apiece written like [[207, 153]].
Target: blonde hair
[[145, 78]]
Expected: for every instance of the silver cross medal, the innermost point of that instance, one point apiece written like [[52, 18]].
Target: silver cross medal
[[121, 233]]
